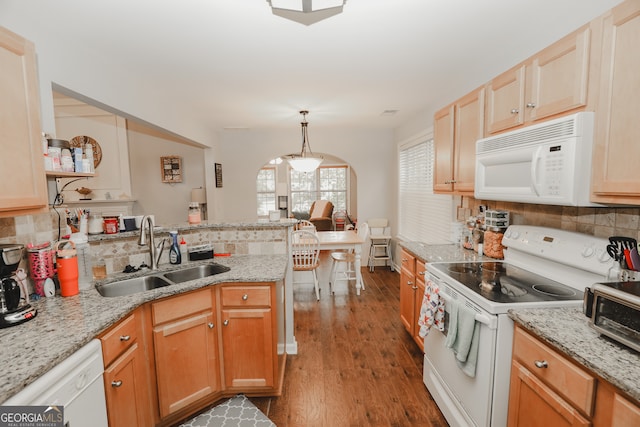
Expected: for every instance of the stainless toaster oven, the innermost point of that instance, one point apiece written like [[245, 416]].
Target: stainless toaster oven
[[614, 311]]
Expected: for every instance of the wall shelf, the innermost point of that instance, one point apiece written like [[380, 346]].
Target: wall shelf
[[60, 174]]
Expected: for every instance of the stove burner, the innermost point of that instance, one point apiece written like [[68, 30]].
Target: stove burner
[[554, 290], [493, 266], [511, 289], [462, 269], [489, 286]]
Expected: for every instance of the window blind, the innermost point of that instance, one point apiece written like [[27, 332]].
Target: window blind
[[423, 216]]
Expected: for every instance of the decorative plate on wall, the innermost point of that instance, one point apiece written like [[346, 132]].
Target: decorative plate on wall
[[81, 141]]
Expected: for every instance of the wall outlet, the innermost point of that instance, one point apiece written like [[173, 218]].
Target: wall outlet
[[629, 276]]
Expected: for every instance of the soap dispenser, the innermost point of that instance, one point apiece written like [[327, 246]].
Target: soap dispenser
[[174, 252]]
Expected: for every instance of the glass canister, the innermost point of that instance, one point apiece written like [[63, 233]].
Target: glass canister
[[493, 242], [194, 213], [466, 237]]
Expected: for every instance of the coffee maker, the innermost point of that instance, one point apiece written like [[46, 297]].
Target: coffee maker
[[14, 308]]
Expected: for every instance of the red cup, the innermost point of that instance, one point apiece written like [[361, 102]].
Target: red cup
[[67, 263]]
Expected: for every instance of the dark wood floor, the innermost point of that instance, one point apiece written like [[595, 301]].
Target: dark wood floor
[[356, 365]]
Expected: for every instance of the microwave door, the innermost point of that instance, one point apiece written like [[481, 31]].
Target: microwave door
[[506, 174]]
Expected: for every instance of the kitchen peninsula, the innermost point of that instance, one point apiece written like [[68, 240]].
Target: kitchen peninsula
[[258, 253]]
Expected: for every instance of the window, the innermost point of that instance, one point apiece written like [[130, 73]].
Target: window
[[423, 215], [266, 190], [326, 183]]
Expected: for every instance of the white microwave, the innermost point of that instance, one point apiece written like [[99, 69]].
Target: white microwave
[[548, 163]]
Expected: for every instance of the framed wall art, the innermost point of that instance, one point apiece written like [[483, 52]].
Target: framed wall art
[[218, 167], [171, 169]]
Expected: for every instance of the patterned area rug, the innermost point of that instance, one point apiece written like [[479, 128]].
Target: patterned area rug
[[237, 412]]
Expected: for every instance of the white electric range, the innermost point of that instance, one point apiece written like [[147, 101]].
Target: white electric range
[[543, 267]]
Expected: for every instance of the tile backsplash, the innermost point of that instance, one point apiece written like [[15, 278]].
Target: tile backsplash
[[596, 221]]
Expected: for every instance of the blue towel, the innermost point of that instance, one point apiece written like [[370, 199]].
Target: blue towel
[[463, 336]]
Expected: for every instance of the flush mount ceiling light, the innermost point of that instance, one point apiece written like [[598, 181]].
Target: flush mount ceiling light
[[306, 161], [306, 12]]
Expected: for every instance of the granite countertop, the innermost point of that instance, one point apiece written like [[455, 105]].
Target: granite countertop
[[441, 253], [568, 330], [63, 325]]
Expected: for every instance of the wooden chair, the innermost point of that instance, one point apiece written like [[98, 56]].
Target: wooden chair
[[347, 259], [305, 253], [304, 224]]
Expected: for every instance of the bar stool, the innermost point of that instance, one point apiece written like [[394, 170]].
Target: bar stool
[[347, 259], [380, 249]]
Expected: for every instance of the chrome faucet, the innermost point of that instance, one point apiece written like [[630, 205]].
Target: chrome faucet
[[148, 224]]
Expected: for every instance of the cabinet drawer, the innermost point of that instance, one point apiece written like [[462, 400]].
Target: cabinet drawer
[[120, 338], [181, 306], [408, 262], [246, 296], [572, 383]]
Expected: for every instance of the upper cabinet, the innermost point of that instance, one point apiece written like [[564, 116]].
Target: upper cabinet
[[456, 130], [552, 82], [22, 167], [616, 151]]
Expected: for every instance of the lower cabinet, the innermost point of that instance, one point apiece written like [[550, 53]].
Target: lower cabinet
[[126, 377], [412, 286], [547, 388], [248, 338], [173, 357], [185, 347]]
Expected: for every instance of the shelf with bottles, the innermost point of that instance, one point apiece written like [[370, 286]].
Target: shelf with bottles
[[60, 174]]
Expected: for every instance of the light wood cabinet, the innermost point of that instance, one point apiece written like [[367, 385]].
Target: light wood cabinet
[[456, 130], [126, 378], [412, 273], [546, 386], [249, 335], [25, 191], [552, 82], [186, 350], [616, 151]]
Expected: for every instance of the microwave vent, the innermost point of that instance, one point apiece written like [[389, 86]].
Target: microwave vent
[[531, 135]]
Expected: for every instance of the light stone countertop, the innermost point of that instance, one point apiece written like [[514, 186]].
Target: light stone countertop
[[441, 253], [567, 330], [63, 325]]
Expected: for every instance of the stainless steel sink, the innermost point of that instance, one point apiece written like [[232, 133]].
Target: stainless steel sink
[[131, 286], [194, 273]]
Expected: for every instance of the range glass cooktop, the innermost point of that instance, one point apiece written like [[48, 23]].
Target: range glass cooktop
[[501, 282]]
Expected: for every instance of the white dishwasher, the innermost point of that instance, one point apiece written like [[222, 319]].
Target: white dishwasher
[[76, 384]]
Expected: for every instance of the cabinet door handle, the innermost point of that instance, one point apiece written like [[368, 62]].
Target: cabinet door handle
[[515, 111], [409, 283], [541, 364], [226, 322], [421, 273], [210, 325], [125, 337], [414, 287], [245, 297], [117, 383], [531, 105]]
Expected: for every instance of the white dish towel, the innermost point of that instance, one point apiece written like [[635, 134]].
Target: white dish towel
[[463, 336]]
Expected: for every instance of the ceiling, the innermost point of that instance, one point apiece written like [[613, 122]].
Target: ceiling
[[234, 64]]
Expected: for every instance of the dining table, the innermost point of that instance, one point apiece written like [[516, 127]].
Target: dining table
[[344, 240]]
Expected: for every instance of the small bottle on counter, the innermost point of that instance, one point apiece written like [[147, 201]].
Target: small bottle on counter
[[183, 250], [174, 252], [194, 213]]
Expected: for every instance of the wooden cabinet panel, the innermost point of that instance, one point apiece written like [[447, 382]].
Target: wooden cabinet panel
[[248, 347], [181, 306], [126, 376], [20, 129], [412, 273], [557, 78], [574, 384], [443, 134], [127, 391], [613, 409], [616, 151], [554, 81], [505, 100], [532, 403], [186, 361], [469, 118], [417, 303], [249, 335]]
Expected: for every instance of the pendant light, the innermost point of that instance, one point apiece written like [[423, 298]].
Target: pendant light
[[306, 161]]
